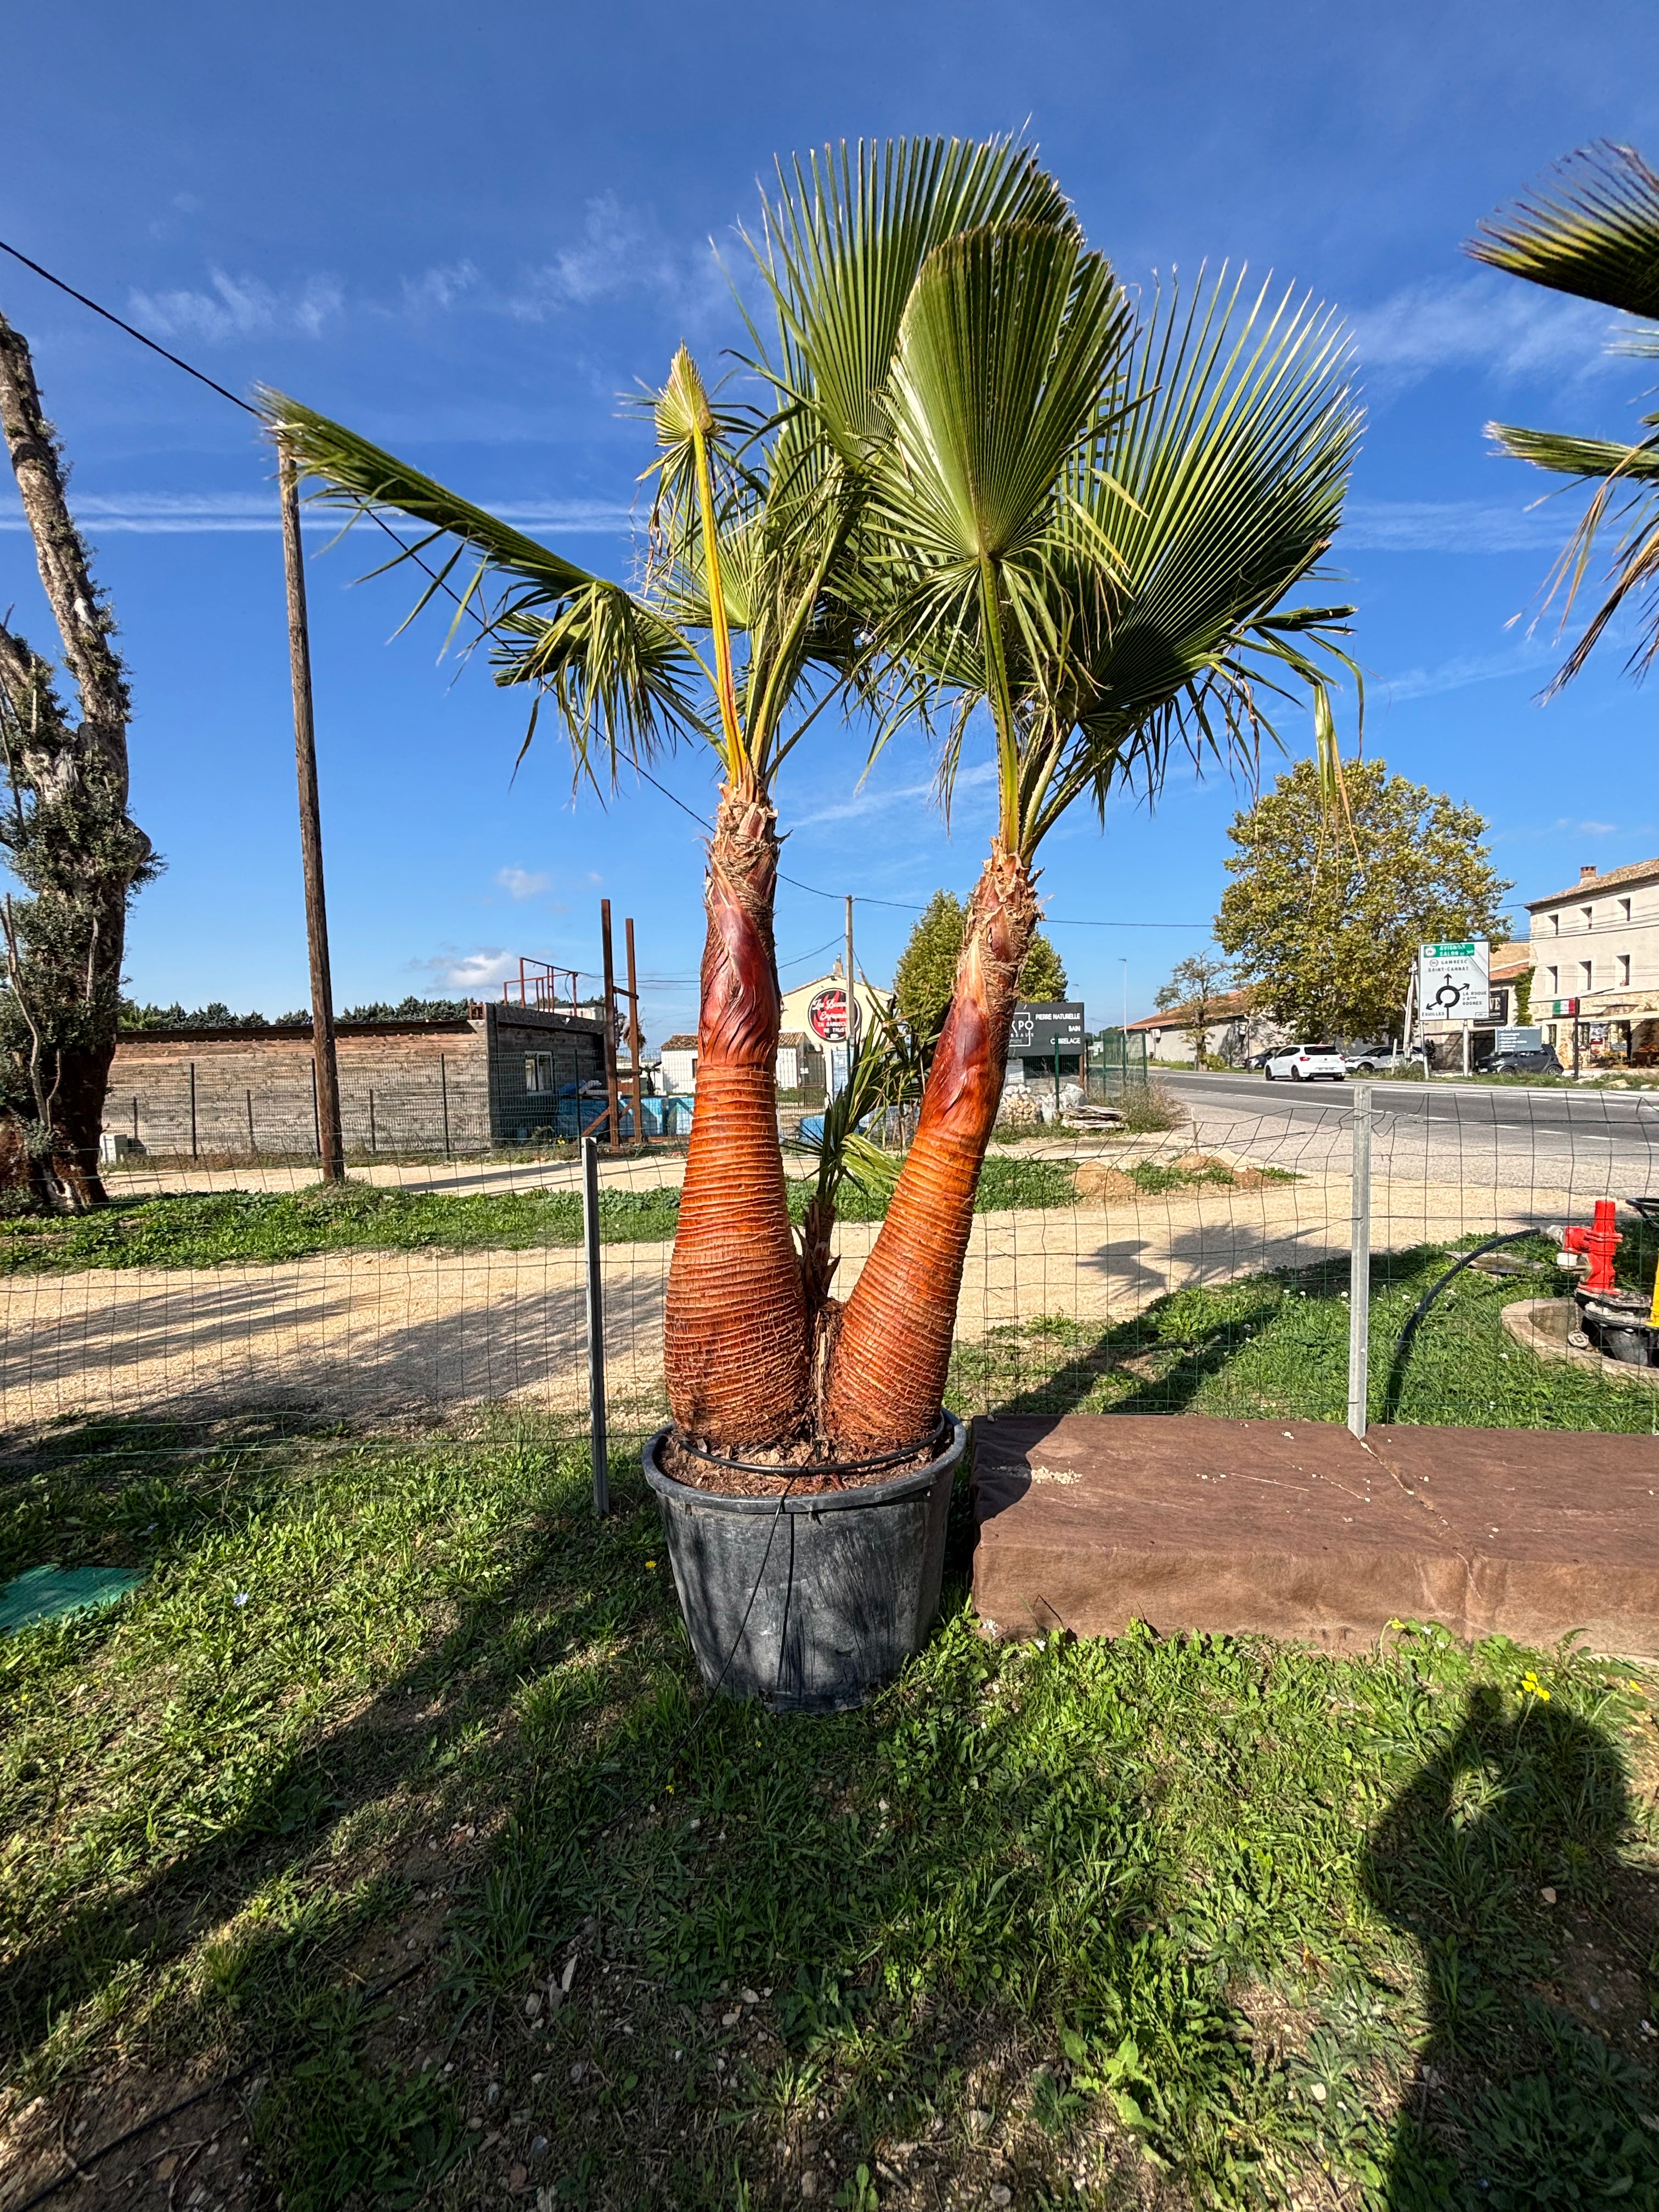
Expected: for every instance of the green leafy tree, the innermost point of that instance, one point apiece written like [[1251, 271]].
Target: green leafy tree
[[1327, 920], [1043, 976], [1195, 985], [926, 972]]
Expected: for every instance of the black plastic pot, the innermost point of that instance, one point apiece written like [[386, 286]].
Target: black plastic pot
[[808, 1603]]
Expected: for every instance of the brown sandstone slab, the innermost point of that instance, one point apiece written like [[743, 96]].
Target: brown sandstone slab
[[1558, 1529], [1291, 1528]]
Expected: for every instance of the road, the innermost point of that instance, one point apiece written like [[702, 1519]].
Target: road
[[1591, 1143]]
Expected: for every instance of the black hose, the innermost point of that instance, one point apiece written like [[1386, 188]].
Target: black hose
[[1396, 1365]]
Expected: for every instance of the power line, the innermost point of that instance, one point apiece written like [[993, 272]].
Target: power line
[[796, 961], [201, 378]]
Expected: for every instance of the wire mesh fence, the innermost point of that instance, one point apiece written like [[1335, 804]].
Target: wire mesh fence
[[1203, 1267]]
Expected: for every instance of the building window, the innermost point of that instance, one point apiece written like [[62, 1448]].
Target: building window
[[1554, 974], [1623, 909], [538, 1072], [1586, 975], [1589, 912], [1623, 970], [1555, 925]]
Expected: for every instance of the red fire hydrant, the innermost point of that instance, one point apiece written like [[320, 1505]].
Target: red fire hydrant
[[1598, 1243]]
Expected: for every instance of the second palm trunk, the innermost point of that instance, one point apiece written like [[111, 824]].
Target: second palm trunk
[[891, 1351], [735, 1347]]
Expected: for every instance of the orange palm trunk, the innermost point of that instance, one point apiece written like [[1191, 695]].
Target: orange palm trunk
[[892, 1349], [735, 1338]]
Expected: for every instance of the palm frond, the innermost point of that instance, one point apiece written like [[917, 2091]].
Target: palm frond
[[1593, 231], [1221, 486], [1586, 458], [841, 247], [364, 478], [1626, 498], [1009, 336], [620, 677], [886, 1070]]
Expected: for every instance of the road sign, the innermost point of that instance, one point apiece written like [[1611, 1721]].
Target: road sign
[[1452, 982], [1046, 1027], [826, 1015]]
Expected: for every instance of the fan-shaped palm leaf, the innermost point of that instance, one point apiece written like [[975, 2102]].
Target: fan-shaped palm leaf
[[840, 250], [1594, 233], [1009, 340]]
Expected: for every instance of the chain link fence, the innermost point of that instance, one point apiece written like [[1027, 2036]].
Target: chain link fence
[[1206, 1267]]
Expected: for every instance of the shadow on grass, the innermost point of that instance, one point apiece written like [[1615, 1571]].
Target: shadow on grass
[[1502, 1844], [255, 1944], [1275, 1345], [1001, 1921]]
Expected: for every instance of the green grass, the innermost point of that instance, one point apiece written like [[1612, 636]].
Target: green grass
[[1188, 1918], [207, 1229], [1277, 1345]]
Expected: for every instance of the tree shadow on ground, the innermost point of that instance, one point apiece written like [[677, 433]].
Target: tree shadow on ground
[[1500, 1857], [327, 1839]]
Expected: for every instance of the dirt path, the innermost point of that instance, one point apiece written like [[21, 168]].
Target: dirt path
[[378, 1334]]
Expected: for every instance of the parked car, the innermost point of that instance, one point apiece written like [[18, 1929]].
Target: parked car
[[1367, 1059], [1541, 1061], [1306, 1063]]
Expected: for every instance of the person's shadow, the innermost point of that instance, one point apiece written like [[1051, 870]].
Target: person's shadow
[[1534, 2086]]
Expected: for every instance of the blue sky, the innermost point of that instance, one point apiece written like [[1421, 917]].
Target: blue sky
[[467, 236]]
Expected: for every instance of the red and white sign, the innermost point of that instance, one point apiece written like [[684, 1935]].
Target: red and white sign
[[826, 1014]]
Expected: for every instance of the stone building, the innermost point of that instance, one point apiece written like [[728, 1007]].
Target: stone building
[[1595, 952], [506, 1074]]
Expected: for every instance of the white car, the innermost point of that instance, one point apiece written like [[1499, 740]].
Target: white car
[[1307, 1063]]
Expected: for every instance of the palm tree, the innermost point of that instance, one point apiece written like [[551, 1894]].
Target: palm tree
[[1088, 529], [737, 633], [1595, 235]]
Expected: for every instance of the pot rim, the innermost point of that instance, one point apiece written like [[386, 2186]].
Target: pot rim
[[901, 1486]]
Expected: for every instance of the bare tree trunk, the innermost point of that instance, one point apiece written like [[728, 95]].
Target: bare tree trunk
[[69, 837]]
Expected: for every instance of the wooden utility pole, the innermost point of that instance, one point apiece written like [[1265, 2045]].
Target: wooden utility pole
[[331, 1142], [612, 1093], [636, 1042]]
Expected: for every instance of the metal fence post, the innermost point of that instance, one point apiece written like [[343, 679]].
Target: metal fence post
[[1359, 1264], [595, 1327]]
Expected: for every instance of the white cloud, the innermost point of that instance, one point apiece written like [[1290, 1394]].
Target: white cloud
[[519, 884], [620, 250], [470, 971], [1423, 525], [153, 513], [235, 306], [440, 289], [1465, 669], [1487, 322], [871, 799]]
